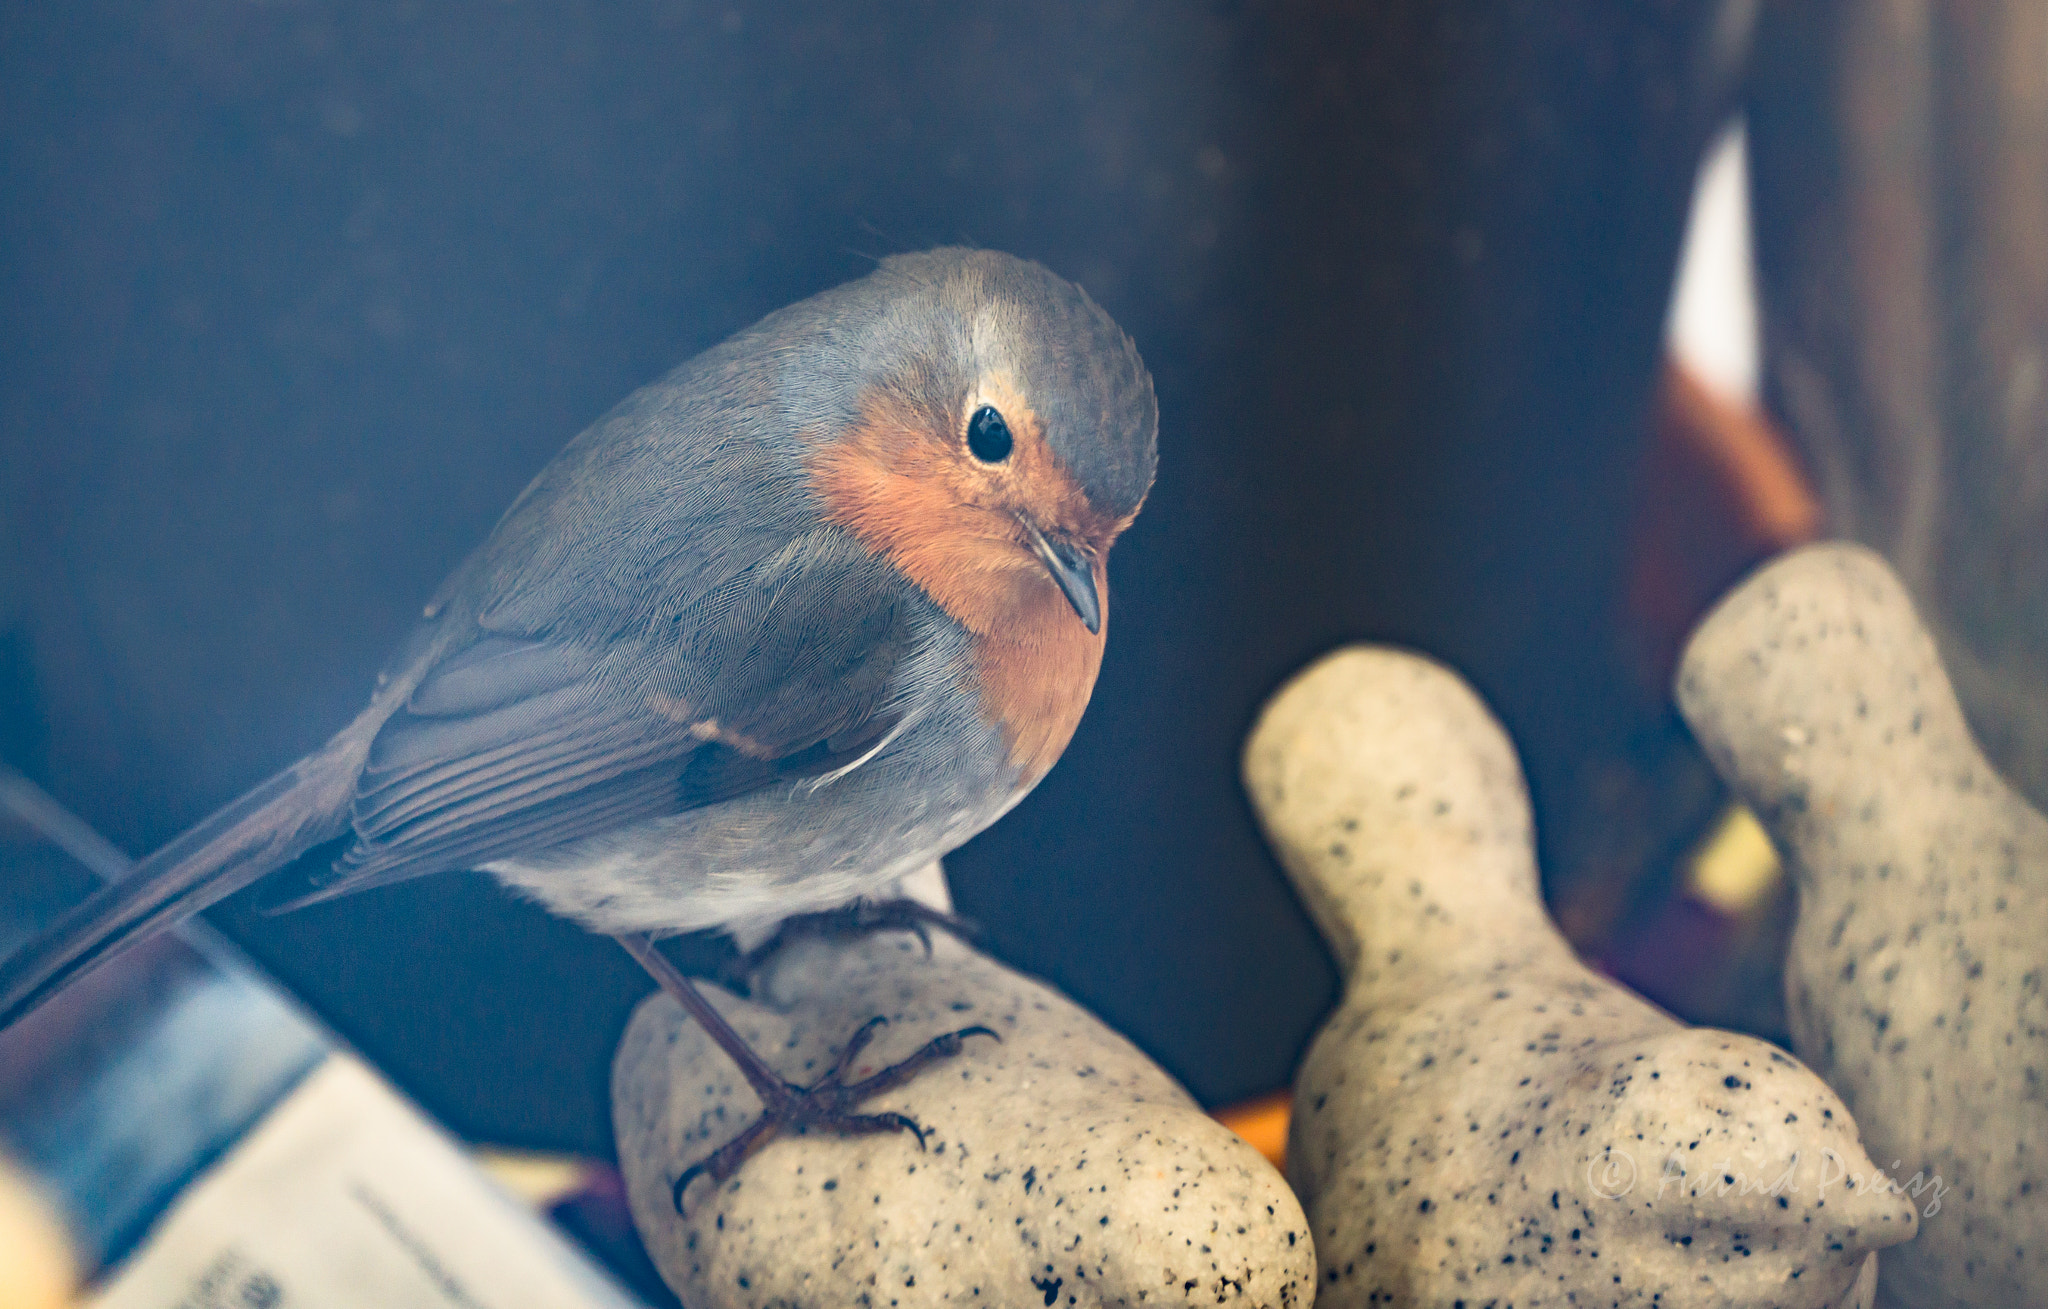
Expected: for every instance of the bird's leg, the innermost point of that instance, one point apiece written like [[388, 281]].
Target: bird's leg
[[858, 919], [828, 1104]]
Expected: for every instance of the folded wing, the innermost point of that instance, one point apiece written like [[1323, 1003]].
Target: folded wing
[[521, 741]]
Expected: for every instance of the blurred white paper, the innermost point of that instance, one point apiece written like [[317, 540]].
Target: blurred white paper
[[345, 1197]]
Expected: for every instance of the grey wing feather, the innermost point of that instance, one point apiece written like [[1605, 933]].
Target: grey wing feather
[[632, 522], [517, 743]]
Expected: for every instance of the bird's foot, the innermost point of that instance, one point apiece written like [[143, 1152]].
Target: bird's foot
[[857, 919], [828, 1105]]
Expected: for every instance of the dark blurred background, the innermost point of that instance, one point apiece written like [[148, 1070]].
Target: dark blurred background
[[301, 293]]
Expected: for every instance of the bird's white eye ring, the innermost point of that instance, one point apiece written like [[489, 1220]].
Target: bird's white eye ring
[[988, 436]]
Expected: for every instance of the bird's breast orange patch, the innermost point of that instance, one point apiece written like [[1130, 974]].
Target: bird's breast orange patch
[[902, 491]]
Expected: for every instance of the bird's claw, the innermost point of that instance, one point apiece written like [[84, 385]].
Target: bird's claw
[[859, 919], [827, 1105], [854, 1045]]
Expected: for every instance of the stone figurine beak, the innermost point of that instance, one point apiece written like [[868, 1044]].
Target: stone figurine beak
[[1072, 569]]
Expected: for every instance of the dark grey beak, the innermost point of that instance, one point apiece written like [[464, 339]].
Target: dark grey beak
[[1072, 570]]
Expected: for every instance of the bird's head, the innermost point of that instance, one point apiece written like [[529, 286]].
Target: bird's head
[[1002, 433]]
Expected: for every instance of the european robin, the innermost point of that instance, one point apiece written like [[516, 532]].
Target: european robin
[[797, 619]]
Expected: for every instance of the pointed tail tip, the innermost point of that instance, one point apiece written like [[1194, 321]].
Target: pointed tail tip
[[28, 977], [250, 838], [90, 933]]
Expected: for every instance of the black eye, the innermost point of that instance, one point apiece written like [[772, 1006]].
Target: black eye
[[988, 436]]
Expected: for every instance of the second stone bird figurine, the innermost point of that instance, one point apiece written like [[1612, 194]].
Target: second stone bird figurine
[[783, 626], [1918, 977], [1486, 1121]]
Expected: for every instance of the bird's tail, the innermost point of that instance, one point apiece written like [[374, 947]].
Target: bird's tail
[[301, 807]]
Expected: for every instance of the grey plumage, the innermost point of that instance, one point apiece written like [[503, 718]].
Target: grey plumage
[[665, 693]]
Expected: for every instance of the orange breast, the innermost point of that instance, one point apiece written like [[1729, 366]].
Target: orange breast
[[1037, 675], [903, 495]]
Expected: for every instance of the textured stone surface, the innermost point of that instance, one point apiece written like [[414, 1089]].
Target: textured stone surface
[[1916, 977], [1063, 1167], [1484, 1121]]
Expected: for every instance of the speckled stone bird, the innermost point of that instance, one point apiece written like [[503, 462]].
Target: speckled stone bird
[[793, 621]]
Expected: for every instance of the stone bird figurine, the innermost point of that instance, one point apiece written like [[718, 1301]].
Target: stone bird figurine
[[1487, 1121], [1917, 981]]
